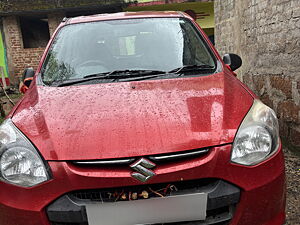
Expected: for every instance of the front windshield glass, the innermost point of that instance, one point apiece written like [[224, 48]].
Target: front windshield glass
[[136, 44]]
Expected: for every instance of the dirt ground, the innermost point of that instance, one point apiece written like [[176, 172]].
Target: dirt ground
[[293, 187]]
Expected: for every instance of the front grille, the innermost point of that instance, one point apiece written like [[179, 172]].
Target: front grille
[[161, 158], [222, 199], [143, 191]]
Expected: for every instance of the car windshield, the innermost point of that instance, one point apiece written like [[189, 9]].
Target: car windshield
[[155, 44]]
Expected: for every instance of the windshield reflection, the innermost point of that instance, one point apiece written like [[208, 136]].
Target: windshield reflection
[[148, 44]]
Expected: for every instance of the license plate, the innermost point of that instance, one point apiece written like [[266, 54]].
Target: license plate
[[191, 207]]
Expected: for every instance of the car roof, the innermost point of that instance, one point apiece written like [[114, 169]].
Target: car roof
[[124, 15]]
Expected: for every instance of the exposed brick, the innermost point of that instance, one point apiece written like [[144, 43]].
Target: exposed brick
[[266, 35], [282, 84], [266, 99], [288, 111], [54, 20], [260, 83], [20, 58]]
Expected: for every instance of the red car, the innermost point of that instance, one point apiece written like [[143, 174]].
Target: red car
[[134, 118]]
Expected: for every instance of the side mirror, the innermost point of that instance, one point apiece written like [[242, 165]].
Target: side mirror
[[27, 78], [233, 61]]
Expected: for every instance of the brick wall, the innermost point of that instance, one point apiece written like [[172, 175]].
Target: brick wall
[[266, 34], [54, 20], [19, 57]]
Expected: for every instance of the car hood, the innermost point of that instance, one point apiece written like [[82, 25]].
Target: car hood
[[127, 119]]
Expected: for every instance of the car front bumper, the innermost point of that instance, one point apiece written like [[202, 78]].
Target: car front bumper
[[254, 195]]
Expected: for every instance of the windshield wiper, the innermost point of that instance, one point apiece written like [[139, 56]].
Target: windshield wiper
[[125, 73], [192, 68], [146, 77], [117, 74], [134, 75]]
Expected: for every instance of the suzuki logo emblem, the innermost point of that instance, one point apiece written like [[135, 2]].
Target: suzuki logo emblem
[[143, 166]]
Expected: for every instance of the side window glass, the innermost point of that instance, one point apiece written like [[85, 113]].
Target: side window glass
[[195, 48]]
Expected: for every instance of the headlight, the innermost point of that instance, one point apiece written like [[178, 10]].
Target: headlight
[[20, 163], [258, 136]]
